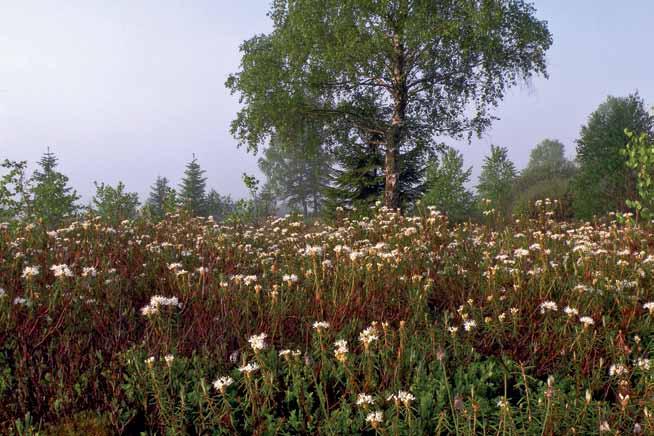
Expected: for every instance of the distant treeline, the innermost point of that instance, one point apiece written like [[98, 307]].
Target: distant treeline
[[317, 179], [351, 175], [46, 196]]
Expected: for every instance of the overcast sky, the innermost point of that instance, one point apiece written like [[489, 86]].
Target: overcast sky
[[129, 89]]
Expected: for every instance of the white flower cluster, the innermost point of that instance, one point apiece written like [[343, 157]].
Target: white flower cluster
[[156, 302], [175, 266], [341, 350], [61, 270], [290, 278], [587, 321], [221, 383], [368, 336], [249, 368], [548, 305], [375, 418], [320, 325], [469, 325], [618, 370], [258, 342], [402, 397], [520, 252], [150, 361], [570, 311], [290, 353], [365, 400], [312, 251], [89, 271], [30, 271], [249, 280]]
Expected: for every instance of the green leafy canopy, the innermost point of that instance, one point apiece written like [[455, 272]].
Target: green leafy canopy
[[340, 51], [404, 70], [603, 182]]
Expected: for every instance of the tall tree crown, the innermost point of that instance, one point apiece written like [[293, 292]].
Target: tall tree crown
[[604, 182], [48, 163], [297, 174], [446, 186], [496, 180], [405, 70], [546, 161]]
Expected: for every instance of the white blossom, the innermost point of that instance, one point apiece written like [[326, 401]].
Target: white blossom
[[586, 321], [469, 325], [365, 400], [61, 270], [221, 383], [30, 271], [341, 350], [258, 342], [548, 305], [320, 325], [249, 368], [375, 418]]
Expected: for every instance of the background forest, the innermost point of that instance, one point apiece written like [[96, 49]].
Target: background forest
[[314, 178]]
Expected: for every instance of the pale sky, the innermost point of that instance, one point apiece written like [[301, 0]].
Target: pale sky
[[129, 89]]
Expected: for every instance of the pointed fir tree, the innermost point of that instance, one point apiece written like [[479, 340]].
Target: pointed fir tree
[[414, 161], [192, 192], [161, 196], [52, 199], [357, 180]]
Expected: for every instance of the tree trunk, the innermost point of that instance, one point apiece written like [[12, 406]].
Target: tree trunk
[[391, 174], [395, 133]]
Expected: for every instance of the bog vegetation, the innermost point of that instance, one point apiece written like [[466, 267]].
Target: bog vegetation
[[390, 324]]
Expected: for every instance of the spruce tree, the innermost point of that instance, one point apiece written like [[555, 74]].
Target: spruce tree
[[414, 160], [161, 195], [52, 199], [358, 180], [192, 192]]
